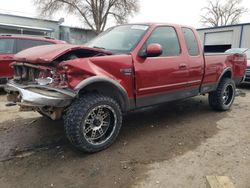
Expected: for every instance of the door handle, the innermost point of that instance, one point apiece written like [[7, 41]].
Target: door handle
[[183, 66]]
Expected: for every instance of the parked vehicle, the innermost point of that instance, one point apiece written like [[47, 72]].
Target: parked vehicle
[[12, 44], [126, 68], [243, 51]]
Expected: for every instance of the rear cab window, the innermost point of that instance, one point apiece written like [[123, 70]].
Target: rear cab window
[[191, 41], [7, 46], [23, 44]]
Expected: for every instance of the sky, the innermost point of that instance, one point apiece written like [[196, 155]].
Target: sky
[[174, 11]]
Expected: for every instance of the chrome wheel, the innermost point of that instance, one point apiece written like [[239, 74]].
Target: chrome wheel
[[99, 124], [92, 122]]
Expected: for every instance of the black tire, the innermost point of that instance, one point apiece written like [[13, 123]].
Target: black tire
[[93, 115], [223, 98]]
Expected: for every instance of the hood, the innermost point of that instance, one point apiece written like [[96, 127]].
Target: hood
[[48, 53]]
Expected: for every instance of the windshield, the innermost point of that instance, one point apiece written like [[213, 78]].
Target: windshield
[[120, 39]]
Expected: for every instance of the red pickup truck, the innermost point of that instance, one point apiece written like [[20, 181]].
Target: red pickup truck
[[125, 68]]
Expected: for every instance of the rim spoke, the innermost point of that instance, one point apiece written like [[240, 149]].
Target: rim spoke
[[93, 134], [104, 116], [105, 123], [225, 95], [92, 114], [228, 95], [87, 130], [88, 121], [101, 131], [100, 112]]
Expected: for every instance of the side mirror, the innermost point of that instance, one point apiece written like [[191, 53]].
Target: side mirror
[[152, 50]]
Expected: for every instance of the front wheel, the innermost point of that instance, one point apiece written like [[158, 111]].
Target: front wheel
[[222, 99], [93, 122]]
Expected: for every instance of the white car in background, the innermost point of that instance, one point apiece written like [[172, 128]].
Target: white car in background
[[247, 52]]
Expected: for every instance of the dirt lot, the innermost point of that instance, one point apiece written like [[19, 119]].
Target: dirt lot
[[173, 145]]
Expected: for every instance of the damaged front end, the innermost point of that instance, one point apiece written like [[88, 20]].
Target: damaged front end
[[41, 82], [39, 88], [47, 100]]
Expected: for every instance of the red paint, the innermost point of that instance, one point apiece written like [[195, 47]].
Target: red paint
[[5, 60], [154, 50], [106, 66], [47, 54], [151, 75]]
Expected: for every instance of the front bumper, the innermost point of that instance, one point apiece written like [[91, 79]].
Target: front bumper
[[38, 96]]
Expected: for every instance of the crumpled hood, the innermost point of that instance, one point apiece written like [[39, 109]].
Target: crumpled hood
[[48, 53]]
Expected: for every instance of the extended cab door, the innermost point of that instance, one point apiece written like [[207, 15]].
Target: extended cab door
[[163, 78], [7, 51], [196, 63]]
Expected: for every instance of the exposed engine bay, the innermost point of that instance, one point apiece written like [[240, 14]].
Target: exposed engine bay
[[43, 87], [27, 73]]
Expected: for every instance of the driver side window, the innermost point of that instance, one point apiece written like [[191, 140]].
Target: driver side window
[[165, 36]]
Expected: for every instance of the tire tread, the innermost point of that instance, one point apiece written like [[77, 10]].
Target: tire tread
[[73, 120], [214, 97]]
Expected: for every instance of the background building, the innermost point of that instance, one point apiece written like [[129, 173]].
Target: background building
[[219, 39], [13, 24], [76, 35]]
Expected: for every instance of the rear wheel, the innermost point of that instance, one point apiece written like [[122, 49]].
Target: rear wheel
[[93, 122], [222, 99]]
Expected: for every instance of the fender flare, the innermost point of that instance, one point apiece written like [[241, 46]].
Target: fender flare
[[98, 79], [228, 69]]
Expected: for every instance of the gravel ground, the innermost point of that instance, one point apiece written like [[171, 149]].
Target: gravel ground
[[172, 145]]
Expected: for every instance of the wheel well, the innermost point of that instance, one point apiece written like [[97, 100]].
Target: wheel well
[[109, 90], [227, 74]]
